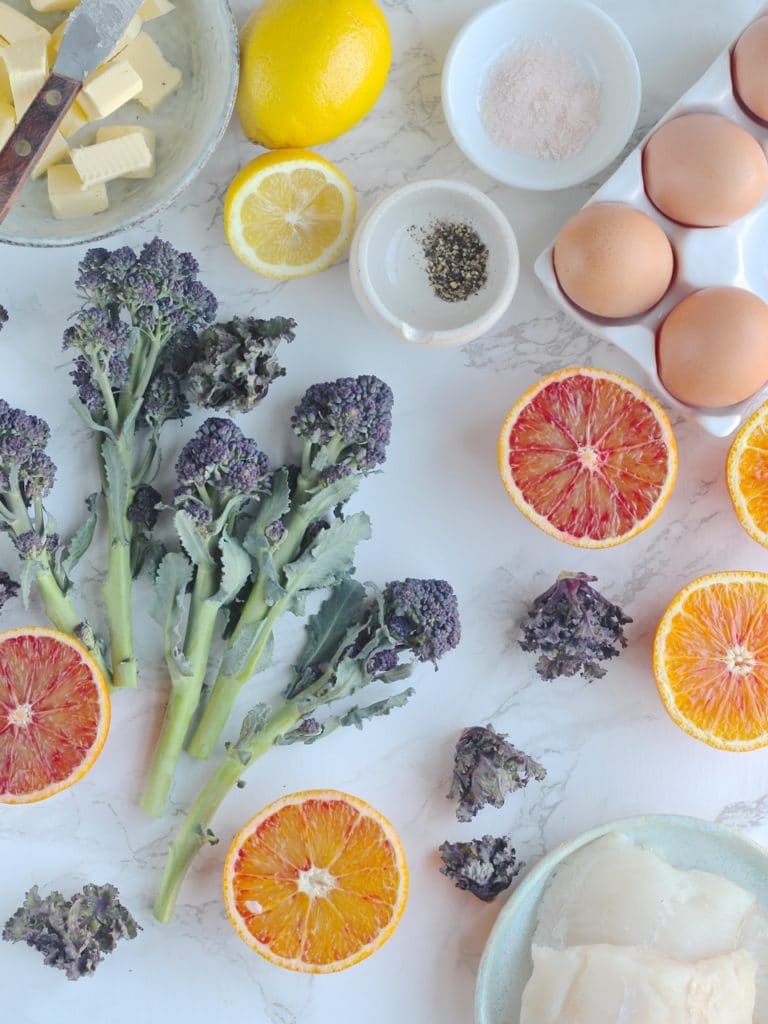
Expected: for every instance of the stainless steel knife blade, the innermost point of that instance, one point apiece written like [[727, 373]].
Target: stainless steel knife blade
[[93, 30]]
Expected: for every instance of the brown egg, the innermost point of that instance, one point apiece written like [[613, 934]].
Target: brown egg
[[703, 170], [749, 66], [712, 349], [613, 260]]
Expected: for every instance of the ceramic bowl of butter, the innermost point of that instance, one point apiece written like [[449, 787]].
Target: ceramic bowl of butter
[[541, 94], [143, 126]]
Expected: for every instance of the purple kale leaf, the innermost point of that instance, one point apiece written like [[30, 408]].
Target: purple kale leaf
[[573, 628], [72, 934], [485, 867], [486, 768]]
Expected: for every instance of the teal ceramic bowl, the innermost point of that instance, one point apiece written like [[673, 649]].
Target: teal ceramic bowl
[[685, 842]]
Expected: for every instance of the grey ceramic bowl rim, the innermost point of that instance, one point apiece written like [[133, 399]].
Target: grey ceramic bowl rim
[[173, 194], [558, 854]]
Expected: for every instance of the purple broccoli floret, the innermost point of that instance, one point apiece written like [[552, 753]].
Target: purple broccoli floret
[[9, 588], [423, 616], [23, 439], [143, 510], [351, 418], [217, 467], [485, 867]]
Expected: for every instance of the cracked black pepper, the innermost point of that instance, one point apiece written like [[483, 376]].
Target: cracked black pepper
[[456, 260]]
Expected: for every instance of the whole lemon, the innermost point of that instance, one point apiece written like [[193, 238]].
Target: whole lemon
[[310, 69]]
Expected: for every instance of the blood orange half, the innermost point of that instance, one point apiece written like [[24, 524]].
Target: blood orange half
[[589, 457], [54, 714], [316, 882]]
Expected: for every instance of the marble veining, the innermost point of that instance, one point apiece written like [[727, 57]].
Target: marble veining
[[438, 509]]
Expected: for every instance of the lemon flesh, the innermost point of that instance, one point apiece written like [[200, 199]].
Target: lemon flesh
[[310, 69], [289, 214]]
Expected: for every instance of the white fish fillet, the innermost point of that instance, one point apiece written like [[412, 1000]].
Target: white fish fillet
[[622, 985], [614, 892]]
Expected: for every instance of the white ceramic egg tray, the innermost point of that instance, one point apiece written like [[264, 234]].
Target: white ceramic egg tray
[[735, 255]]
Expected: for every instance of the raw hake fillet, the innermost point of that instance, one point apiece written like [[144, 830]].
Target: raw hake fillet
[[614, 892], [623, 985]]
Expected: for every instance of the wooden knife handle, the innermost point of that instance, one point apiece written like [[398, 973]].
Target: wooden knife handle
[[31, 136]]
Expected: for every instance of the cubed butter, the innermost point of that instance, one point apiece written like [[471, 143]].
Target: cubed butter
[[134, 27], [68, 197], [15, 27], [159, 78], [109, 88], [109, 132], [7, 122], [27, 66], [55, 152], [74, 119], [46, 6], [152, 9], [115, 158]]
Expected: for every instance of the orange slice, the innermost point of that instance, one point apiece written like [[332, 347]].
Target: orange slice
[[589, 457], [54, 713], [710, 659], [316, 882], [747, 473]]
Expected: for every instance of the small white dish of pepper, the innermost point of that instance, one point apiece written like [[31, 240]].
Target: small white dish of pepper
[[435, 261]]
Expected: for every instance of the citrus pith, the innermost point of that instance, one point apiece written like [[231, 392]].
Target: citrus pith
[[588, 457], [710, 659], [316, 882], [54, 713], [289, 214]]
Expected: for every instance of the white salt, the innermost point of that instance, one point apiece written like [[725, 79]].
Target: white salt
[[538, 101]]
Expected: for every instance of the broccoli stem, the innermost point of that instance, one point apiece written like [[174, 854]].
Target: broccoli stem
[[63, 614], [227, 687], [185, 692], [257, 621], [191, 836], [116, 461]]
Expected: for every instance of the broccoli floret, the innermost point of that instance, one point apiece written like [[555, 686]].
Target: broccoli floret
[[9, 588], [345, 424], [219, 467], [485, 867], [423, 616], [573, 628], [23, 439], [232, 365], [73, 934], [144, 509], [164, 401], [486, 769]]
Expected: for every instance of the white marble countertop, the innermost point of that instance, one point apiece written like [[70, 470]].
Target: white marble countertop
[[438, 509]]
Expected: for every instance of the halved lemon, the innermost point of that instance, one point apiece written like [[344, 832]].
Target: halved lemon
[[54, 713], [289, 214], [316, 882]]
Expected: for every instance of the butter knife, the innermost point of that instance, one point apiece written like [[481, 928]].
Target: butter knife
[[93, 31]]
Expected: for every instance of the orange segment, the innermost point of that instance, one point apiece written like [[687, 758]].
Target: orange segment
[[589, 457], [748, 475], [711, 660], [316, 882], [54, 714]]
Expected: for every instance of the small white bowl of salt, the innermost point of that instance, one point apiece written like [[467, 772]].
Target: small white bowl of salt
[[541, 94]]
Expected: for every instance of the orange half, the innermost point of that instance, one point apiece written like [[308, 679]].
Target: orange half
[[316, 882], [54, 713], [710, 659], [747, 473], [589, 457]]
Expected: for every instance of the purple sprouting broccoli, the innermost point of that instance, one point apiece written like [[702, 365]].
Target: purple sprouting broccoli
[[485, 867], [349, 647], [486, 769], [219, 473], [138, 309], [423, 615], [573, 629], [232, 365], [9, 588], [344, 426], [27, 475]]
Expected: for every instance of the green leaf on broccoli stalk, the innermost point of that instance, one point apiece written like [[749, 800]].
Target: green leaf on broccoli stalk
[[235, 569], [174, 575], [328, 559], [191, 540], [29, 570], [118, 487], [331, 625], [271, 508], [67, 561], [330, 496], [253, 723], [238, 654]]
